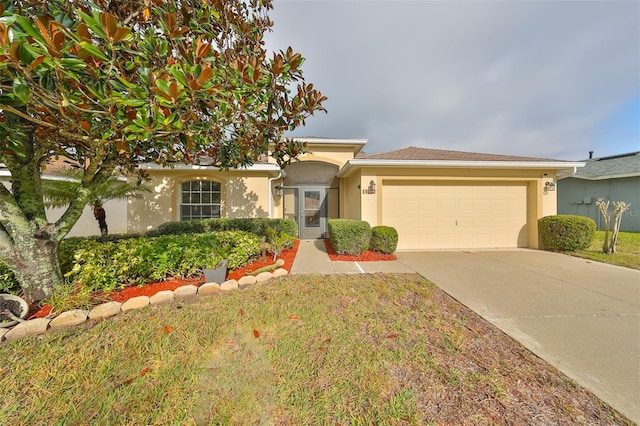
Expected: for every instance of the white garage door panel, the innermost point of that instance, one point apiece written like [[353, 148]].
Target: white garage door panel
[[448, 215]]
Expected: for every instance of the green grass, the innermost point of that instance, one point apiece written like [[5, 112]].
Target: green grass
[[627, 253], [303, 350]]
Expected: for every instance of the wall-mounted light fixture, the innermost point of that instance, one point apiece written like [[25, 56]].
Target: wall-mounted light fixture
[[279, 191], [549, 186]]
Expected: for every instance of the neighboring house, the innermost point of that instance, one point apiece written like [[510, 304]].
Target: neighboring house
[[613, 178], [435, 199]]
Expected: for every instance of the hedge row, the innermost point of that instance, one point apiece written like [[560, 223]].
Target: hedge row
[[356, 236], [257, 226], [566, 232], [107, 266]]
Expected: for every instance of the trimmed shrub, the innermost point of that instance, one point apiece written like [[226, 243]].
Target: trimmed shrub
[[107, 264], [384, 239], [566, 232], [349, 236], [256, 226], [111, 265]]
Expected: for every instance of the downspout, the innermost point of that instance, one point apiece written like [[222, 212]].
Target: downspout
[[281, 174]]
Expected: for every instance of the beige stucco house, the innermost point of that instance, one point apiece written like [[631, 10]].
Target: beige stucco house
[[435, 199]]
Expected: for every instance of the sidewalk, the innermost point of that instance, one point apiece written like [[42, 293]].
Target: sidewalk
[[312, 258]]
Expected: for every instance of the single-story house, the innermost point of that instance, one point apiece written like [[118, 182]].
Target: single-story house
[[436, 199], [613, 178]]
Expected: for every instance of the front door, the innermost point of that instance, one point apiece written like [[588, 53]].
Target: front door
[[313, 213]]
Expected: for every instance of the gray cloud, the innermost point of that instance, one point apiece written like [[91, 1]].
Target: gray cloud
[[521, 78]]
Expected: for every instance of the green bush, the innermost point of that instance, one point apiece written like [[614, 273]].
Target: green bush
[[384, 239], [109, 265], [8, 283], [349, 236], [566, 232], [279, 241], [256, 226]]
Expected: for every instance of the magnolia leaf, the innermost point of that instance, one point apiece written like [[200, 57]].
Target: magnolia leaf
[[36, 62], [162, 85], [21, 89], [25, 25], [92, 23], [178, 74], [93, 51], [72, 64], [109, 23]]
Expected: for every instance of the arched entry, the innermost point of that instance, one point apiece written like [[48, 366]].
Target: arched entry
[[311, 197]]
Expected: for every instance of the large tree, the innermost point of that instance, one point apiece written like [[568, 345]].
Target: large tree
[[110, 84]]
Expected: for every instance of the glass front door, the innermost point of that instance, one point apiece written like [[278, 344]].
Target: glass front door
[[313, 217]]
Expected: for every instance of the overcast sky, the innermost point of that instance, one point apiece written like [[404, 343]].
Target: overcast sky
[[551, 79]]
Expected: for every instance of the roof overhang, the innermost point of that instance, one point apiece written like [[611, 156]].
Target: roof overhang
[[605, 177], [355, 164], [261, 167]]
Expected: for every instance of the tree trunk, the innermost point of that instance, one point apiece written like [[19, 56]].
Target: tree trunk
[[619, 207], [28, 242], [604, 210], [35, 265]]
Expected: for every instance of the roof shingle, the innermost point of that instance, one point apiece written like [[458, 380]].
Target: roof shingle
[[425, 154], [623, 164]]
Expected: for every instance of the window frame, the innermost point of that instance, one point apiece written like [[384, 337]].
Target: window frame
[[197, 209]]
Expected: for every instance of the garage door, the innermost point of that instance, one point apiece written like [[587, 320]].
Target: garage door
[[456, 215]]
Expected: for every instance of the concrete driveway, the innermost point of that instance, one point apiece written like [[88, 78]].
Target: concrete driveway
[[582, 317]]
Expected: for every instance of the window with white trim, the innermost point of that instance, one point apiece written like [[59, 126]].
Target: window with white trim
[[199, 199]]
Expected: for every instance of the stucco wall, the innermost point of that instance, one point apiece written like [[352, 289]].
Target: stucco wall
[[87, 225], [337, 155], [578, 196], [243, 194], [539, 202], [350, 202]]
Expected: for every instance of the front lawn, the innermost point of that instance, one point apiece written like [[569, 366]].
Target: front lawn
[[343, 349], [627, 254]]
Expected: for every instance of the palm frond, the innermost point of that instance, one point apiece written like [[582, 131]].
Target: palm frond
[[59, 193]]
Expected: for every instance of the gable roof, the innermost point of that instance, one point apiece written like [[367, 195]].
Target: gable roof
[[423, 157], [612, 167]]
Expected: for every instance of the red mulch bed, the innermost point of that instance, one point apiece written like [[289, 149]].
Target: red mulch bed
[[171, 284], [367, 256]]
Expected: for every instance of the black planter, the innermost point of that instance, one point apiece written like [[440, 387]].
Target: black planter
[[216, 275]]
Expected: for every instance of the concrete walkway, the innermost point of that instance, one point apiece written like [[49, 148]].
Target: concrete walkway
[[312, 258], [582, 317]]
